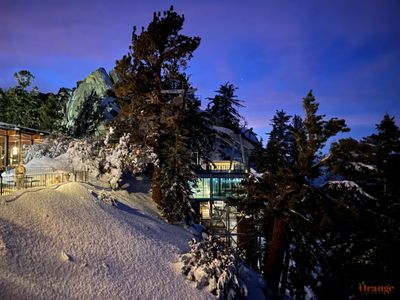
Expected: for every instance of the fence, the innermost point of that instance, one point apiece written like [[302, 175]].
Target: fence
[[37, 177]]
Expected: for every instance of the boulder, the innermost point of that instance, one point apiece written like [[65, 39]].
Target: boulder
[[94, 93]]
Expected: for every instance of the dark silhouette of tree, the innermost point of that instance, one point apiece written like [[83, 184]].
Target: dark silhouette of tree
[[284, 203], [278, 147], [19, 105], [364, 231], [26, 106], [223, 107]]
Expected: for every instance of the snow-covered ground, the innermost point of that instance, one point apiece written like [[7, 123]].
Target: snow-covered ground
[[63, 242]]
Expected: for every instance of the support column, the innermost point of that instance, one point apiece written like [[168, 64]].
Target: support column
[[7, 152]]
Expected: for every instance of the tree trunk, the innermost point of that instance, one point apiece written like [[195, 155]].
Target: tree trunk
[[285, 269], [274, 264], [156, 100], [156, 185], [247, 240]]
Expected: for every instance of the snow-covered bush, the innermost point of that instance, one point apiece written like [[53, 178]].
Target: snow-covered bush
[[109, 161], [214, 267], [126, 156], [107, 198], [86, 155], [50, 147]]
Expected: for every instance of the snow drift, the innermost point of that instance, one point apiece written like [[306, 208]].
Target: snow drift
[[66, 243]]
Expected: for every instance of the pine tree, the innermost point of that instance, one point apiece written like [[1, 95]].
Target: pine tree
[[176, 172], [156, 56], [26, 106], [285, 199], [278, 146], [385, 154], [50, 112], [365, 221], [5, 106], [223, 107], [28, 101], [156, 109], [258, 157]]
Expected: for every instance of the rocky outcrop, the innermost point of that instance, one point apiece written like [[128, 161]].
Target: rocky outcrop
[[92, 98], [114, 76]]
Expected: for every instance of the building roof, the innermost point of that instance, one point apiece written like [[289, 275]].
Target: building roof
[[8, 126]]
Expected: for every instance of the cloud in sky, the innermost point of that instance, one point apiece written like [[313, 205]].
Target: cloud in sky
[[274, 51]]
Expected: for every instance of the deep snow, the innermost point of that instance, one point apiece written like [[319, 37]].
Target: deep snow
[[63, 242]]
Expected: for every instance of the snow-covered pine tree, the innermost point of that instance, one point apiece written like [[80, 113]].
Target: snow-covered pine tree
[[157, 111], [186, 131], [157, 55], [176, 171]]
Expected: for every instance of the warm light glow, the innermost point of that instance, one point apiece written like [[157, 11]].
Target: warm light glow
[[226, 165], [15, 150]]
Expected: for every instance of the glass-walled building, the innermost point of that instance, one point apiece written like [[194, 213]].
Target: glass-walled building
[[215, 183], [215, 187], [13, 140]]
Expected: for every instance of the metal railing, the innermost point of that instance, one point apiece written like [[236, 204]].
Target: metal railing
[[38, 177]]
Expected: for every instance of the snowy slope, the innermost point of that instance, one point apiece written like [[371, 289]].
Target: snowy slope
[[65, 243]]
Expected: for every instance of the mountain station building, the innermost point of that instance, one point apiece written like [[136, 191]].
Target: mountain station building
[[13, 138]]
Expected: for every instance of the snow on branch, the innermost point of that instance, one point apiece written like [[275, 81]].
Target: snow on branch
[[348, 185], [214, 267], [300, 215], [103, 159]]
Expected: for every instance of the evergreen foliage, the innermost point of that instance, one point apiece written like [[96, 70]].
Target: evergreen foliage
[[258, 157], [364, 238], [50, 112], [279, 144], [330, 221], [156, 108], [214, 267], [223, 107], [26, 106], [284, 204], [176, 171]]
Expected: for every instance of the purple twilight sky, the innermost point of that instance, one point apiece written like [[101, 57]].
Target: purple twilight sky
[[348, 51]]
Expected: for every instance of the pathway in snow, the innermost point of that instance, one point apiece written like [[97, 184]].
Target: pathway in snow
[[64, 243]]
